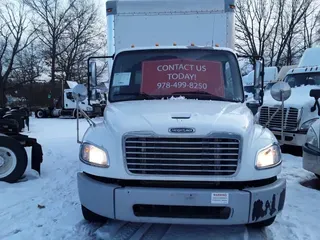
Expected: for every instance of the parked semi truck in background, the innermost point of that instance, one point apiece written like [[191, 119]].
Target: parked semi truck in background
[[299, 112], [66, 107], [178, 143]]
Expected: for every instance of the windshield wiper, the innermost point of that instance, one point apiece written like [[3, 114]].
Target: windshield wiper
[[136, 95], [203, 93]]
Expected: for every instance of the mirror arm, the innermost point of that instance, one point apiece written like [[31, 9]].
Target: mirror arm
[[89, 120]]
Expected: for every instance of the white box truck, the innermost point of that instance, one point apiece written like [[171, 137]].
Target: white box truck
[[299, 110], [178, 144]]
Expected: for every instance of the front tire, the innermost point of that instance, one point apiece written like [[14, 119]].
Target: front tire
[[91, 216], [263, 224], [13, 159], [40, 114]]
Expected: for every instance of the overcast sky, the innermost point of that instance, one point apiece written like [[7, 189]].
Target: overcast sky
[[102, 4]]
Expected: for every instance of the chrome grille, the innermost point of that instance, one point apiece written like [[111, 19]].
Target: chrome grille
[[291, 120], [182, 156]]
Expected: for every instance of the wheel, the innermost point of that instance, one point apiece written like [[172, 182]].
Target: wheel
[[18, 118], [40, 113], [263, 224], [91, 216], [13, 159]]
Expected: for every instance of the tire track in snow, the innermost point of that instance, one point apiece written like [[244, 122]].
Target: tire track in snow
[[261, 234], [117, 230], [157, 232], [151, 232], [83, 230], [127, 231]]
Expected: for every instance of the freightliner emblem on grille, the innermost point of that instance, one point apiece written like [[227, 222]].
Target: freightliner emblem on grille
[[182, 130]]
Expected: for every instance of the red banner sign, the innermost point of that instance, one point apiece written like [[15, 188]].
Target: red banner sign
[[165, 77]]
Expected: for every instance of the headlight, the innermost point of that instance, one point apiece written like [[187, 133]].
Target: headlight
[[268, 157], [92, 155], [312, 138], [305, 126]]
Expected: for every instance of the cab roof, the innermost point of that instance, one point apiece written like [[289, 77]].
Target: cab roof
[[133, 48], [298, 70]]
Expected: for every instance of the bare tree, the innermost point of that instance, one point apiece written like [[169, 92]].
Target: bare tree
[[271, 28], [28, 67], [84, 37], [15, 36], [311, 26], [55, 19], [291, 18], [255, 25]]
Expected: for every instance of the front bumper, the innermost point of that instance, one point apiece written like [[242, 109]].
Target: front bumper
[[311, 159], [291, 138], [172, 205]]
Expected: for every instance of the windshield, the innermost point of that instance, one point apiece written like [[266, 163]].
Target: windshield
[[297, 80], [191, 73]]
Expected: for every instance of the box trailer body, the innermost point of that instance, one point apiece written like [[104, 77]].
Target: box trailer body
[[165, 22], [158, 152]]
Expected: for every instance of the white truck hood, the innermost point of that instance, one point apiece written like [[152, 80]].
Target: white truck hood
[[160, 115], [299, 98]]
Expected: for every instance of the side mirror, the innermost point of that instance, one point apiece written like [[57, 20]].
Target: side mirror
[[93, 74], [281, 91], [79, 92], [258, 80]]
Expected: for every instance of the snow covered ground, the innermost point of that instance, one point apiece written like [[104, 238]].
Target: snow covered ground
[[47, 207]]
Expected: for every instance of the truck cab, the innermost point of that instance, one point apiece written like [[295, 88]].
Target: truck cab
[[178, 143], [298, 112], [270, 77]]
